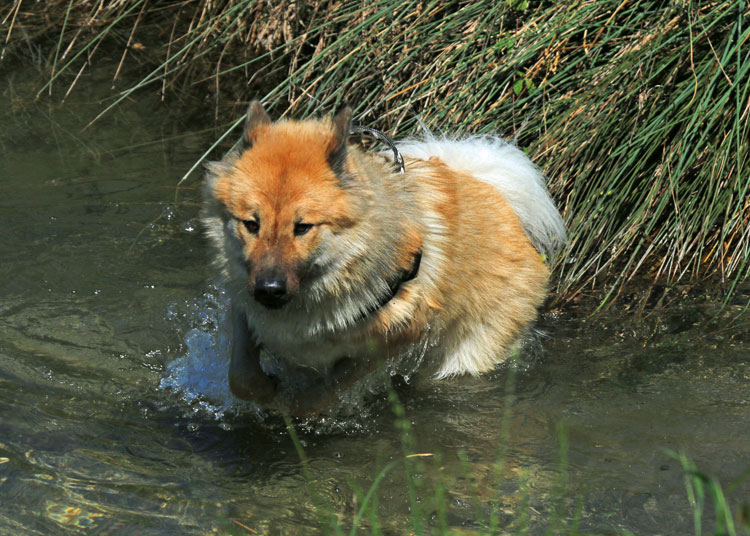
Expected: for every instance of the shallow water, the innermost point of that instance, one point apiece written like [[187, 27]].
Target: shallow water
[[114, 418]]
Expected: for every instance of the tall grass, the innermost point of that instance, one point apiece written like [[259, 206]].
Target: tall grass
[[637, 110], [708, 502]]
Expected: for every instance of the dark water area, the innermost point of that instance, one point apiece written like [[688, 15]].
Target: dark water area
[[115, 417]]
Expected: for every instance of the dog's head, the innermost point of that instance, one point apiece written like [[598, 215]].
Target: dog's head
[[285, 192]]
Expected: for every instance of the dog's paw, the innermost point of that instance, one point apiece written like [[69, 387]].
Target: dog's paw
[[259, 388]]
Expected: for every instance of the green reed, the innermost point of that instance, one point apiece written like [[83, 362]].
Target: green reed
[[637, 111], [708, 501]]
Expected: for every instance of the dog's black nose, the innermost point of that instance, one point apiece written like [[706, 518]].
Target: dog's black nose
[[271, 292]]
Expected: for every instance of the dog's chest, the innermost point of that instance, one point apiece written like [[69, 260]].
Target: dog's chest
[[320, 352], [304, 340]]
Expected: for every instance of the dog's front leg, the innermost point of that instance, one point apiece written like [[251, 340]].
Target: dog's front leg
[[246, 377]]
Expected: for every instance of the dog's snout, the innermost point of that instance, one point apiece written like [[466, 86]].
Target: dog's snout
[[271, 291], [274, 287]]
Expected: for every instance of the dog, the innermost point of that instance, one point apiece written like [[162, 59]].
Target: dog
[[337, 259]]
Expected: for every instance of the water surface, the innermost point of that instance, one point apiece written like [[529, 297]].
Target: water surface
[[114, 418]]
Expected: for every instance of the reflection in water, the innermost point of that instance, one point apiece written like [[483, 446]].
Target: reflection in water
[[72, 515]]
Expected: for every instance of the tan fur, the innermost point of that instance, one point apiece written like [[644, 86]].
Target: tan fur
[[479, 284]]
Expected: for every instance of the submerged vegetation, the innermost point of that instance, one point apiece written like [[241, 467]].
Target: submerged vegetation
[[637, 111]]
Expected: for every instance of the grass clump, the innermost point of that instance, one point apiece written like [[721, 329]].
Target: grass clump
[[705, 492], [714, 509], [638, 111]]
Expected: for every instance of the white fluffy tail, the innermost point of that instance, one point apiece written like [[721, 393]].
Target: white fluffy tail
[[508, 169]]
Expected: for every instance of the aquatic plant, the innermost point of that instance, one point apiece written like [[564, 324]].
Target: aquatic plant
[[638, 111], [705, 493], [710, 503]]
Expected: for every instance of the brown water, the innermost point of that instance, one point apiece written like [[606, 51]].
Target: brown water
[[114, 418]]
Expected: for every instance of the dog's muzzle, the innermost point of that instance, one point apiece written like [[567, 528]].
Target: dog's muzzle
[[271, 292]]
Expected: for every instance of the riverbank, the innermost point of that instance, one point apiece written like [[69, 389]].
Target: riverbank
[[636, 111]]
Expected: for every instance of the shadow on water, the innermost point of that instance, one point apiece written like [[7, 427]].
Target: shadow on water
[[114, 417]]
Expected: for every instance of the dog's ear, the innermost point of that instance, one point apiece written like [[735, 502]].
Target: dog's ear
[[342, 125], [256, 116]]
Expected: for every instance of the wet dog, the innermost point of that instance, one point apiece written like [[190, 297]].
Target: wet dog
[[338, 259]]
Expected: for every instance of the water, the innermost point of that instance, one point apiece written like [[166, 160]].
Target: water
[[114, 418]]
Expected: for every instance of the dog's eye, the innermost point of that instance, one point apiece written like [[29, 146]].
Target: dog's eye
[[252, 226], [301, 228]]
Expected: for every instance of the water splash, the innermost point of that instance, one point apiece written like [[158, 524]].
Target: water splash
[[200, 377]]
